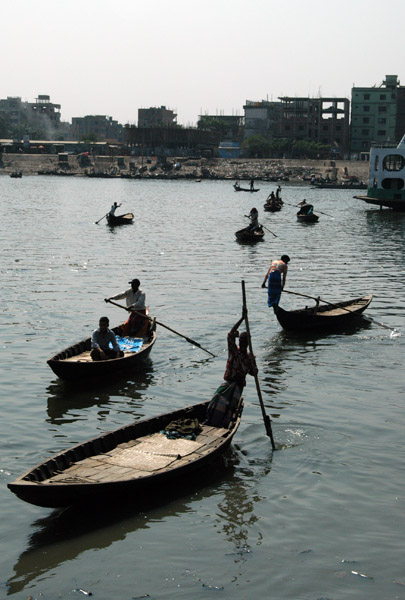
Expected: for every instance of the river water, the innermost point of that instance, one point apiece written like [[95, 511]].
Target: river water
[[322, 517]]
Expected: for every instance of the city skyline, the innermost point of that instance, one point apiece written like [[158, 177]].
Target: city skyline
[[99, 58]]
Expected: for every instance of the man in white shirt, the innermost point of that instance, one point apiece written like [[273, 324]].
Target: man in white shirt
[[135, 300]]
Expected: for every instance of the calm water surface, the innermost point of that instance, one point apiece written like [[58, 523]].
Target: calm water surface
[[320, 518]]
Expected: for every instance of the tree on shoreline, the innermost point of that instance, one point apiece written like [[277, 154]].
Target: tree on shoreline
[[256, 146]]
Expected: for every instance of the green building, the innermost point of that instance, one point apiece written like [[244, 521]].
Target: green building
[[376, 115]]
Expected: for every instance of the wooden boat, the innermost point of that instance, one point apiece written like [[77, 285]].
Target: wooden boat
[[344, 185], [131, 460], [237, 188], [273, 205], [329, 316], [311, 218], [120, 219], [75, 363], [243, 235]]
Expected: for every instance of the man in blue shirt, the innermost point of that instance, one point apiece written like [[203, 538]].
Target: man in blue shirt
[[100, 342]]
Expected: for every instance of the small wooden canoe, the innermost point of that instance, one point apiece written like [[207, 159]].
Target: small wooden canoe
[[243, 235], [131, 460], [237, 188], [311, 218], [328, 316], [273, 206], [75, 363], [120, 219]]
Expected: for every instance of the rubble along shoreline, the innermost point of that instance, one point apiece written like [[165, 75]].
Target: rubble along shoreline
[[292, 171]]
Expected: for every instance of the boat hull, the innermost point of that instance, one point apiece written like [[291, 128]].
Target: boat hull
[[335, 316], [102, 467], [243, 236], [241, 189], [126, 219], [312, 218]]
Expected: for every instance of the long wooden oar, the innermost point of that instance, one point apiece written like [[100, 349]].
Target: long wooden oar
[[269, 231], [162, 325], [361, 315], [266, 417], [97, 222]]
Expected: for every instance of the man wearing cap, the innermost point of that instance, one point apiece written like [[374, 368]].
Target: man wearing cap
[[135, 300]]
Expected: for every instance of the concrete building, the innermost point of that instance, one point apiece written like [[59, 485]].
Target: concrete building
[[321, 120], [99, 127], [31, 117], [377, 115], [156, 117], [262, 118]]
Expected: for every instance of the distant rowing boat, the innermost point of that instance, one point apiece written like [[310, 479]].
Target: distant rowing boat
[[237, 188], [126, 219], [244, 235]]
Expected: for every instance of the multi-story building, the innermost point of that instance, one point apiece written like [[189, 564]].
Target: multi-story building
[[378, 114], [156, 117], [262, 118], [99, 127], [41, 117], [322, 120], [43, 114]]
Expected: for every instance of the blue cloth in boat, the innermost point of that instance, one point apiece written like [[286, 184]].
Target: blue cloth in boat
[[128, 344], [274, 288]]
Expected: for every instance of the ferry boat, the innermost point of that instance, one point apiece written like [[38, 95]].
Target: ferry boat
[[386, 180]]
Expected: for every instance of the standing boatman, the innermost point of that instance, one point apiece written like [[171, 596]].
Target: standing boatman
[[135, 300]]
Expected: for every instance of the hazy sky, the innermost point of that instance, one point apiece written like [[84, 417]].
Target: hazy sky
[[113, 57]]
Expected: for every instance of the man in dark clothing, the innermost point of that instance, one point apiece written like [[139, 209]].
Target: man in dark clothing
[[239, 364]]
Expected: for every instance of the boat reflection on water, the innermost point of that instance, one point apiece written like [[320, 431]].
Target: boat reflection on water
[[64, 396], [66, 534]]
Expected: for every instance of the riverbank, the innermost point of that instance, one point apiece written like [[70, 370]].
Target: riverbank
[[278, 170]]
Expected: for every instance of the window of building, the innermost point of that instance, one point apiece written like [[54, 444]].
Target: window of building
[[364, 131], [366, 96], [376, 162], [325, 128], [393, 162], [383, 96], [366, 108], [381, 132], [382, 120], [287, 127], [366, 120], [382, 109], [300, 127], [338, 128]]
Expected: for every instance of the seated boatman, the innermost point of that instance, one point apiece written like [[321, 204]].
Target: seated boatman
[[305, 208], [135, 300], [100, 342]]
